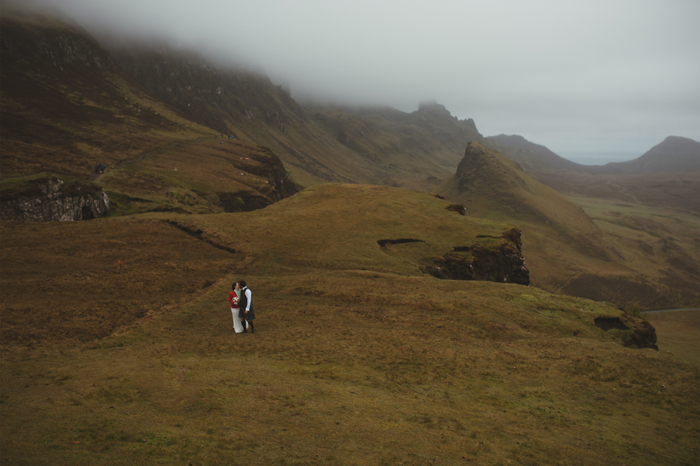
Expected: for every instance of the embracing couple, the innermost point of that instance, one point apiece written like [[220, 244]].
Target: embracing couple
[[241, 299]]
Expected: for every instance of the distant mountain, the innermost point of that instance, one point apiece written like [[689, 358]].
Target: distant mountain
[[317, 143], [426, 143], [530, 156], [673, 154]]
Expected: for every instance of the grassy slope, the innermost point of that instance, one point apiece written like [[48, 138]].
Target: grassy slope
[[195, 177], [349, 366], [676, 191], [339, 226], [66, 106], [578, 250], [657, 244], [558, 237], [678, 332]]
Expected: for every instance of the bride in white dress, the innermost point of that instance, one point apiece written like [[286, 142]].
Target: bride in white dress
[[233, 298]]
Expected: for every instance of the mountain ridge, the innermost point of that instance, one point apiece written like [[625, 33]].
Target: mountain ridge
[[378, 146], [673, 154]]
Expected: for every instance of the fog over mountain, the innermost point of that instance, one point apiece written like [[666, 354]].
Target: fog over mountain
[[596, 81]]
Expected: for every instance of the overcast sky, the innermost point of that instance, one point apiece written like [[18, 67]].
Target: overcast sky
[[593, 80]]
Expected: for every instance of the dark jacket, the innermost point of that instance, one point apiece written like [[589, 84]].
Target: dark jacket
[[243, 302]]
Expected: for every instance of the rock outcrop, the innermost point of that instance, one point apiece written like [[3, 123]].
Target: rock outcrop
[[504, 263], [51, 199], [631, 331]]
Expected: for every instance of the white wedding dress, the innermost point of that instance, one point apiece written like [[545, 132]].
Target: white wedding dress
[[237, 325]]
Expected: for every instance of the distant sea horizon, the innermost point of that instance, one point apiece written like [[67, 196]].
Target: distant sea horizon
[[599, 158]]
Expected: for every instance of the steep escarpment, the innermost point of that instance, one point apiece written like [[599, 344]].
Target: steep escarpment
[[420, 145], [557, 234], [490, 184], [70, 101], [240, 103], [66, 104], [317, 143]]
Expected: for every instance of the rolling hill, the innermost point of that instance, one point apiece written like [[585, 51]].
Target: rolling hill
[[673, 154], [359, 356]]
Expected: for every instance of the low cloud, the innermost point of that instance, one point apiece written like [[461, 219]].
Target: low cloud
[[602, 76]]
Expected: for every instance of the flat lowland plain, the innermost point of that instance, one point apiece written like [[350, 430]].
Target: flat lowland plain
[[369, 364]]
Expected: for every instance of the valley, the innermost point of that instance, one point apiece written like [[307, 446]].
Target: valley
[[425, 294]]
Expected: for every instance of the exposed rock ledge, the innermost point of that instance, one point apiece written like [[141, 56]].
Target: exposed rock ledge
[[49, 199], [503, 263]]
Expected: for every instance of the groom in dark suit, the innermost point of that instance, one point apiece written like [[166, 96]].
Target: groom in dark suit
[[246, 311]]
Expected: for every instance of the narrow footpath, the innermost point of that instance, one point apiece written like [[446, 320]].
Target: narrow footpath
[[671, 310]]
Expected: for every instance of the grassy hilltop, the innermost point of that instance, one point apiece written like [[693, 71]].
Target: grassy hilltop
[[118, 348]]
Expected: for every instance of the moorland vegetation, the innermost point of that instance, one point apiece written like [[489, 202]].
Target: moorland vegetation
[[116, 338]]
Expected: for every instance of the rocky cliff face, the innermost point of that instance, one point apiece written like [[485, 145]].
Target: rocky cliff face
[[265, 164], [216, 96], [47, 200], [504, 263]]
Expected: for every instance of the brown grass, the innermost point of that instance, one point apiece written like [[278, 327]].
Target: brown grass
[[85, 281], [348, 366], [197, 177], [678, 333]]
